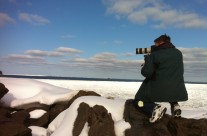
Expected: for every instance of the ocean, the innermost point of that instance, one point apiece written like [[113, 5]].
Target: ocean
[[83, 78]]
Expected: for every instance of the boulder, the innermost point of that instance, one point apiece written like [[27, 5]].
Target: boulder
[[101, 122], [33, 106], [3, 90], [82, 93], [84, 112], [57, 108], [4, 112], [167, 126], [9, 127], [98, 119], [22, 117], [187, 127]]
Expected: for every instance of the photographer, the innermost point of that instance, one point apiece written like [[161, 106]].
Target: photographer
[[163, 71]]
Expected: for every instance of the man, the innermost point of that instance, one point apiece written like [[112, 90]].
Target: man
[[164, 81]]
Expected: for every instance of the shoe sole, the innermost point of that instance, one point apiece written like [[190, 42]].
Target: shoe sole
[[177, 113], [160, 116]]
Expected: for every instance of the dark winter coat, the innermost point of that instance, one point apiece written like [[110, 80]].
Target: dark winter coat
[[164, 81]]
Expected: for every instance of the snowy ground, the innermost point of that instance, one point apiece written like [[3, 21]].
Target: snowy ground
[[197, 93], [22, 91]]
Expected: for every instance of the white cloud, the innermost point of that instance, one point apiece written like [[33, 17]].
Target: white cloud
[[68, 50], [44, 53], [5, 19], [61, 51], [26, 57], [33, 19], [105, 56], [37, 56], [194, 55], [156, 11], [122, 6], [107, 63], [195, 63], [23, 59]]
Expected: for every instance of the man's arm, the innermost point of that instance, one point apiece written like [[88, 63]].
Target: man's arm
[[149, 68]]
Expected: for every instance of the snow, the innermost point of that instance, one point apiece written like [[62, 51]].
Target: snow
[[35, 114], [66, 126], [105, 88], [56, 122], [23, 91], [197, 93], [38, 131], [85, 130]]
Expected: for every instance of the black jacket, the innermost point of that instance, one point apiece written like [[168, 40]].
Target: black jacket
[[164, 71]]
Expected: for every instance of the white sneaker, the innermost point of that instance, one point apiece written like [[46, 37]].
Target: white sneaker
[[176, 111], [157, 113]]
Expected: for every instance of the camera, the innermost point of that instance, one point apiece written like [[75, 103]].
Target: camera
[[145, 50]]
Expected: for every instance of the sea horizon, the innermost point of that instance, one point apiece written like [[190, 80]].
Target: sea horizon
[[82, 78]]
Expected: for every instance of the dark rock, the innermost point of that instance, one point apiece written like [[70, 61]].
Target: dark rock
[[98, 118], [83, 115], [33, 106], [82, 93], [4, 112], [167, 126], [57, 108], [14, 124], [9, 127], [22, 117], [101, 122], [3, 90], [188, 127]]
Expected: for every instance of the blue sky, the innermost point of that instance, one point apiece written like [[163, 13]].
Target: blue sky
[[97, 38]]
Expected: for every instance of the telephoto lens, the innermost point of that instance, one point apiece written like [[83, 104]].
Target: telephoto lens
[[143, 50]]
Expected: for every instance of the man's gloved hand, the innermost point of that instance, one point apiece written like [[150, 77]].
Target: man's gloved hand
[[146, 56]]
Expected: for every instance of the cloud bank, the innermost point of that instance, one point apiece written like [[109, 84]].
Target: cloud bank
[[157, 12], [33, 19], [107, 63]]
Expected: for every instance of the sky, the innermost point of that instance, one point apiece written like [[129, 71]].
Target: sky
[[98, 38]]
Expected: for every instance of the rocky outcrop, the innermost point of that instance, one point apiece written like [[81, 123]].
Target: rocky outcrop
[[9, 127], [57, 108], [12, 124], [100, 122], [3, 90], [167, 126], [97, 118], [18, 119]]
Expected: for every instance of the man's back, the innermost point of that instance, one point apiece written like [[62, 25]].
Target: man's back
[[164, 76]]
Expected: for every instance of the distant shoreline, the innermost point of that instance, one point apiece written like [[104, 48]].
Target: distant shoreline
[[82, 78], [70, 78]]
